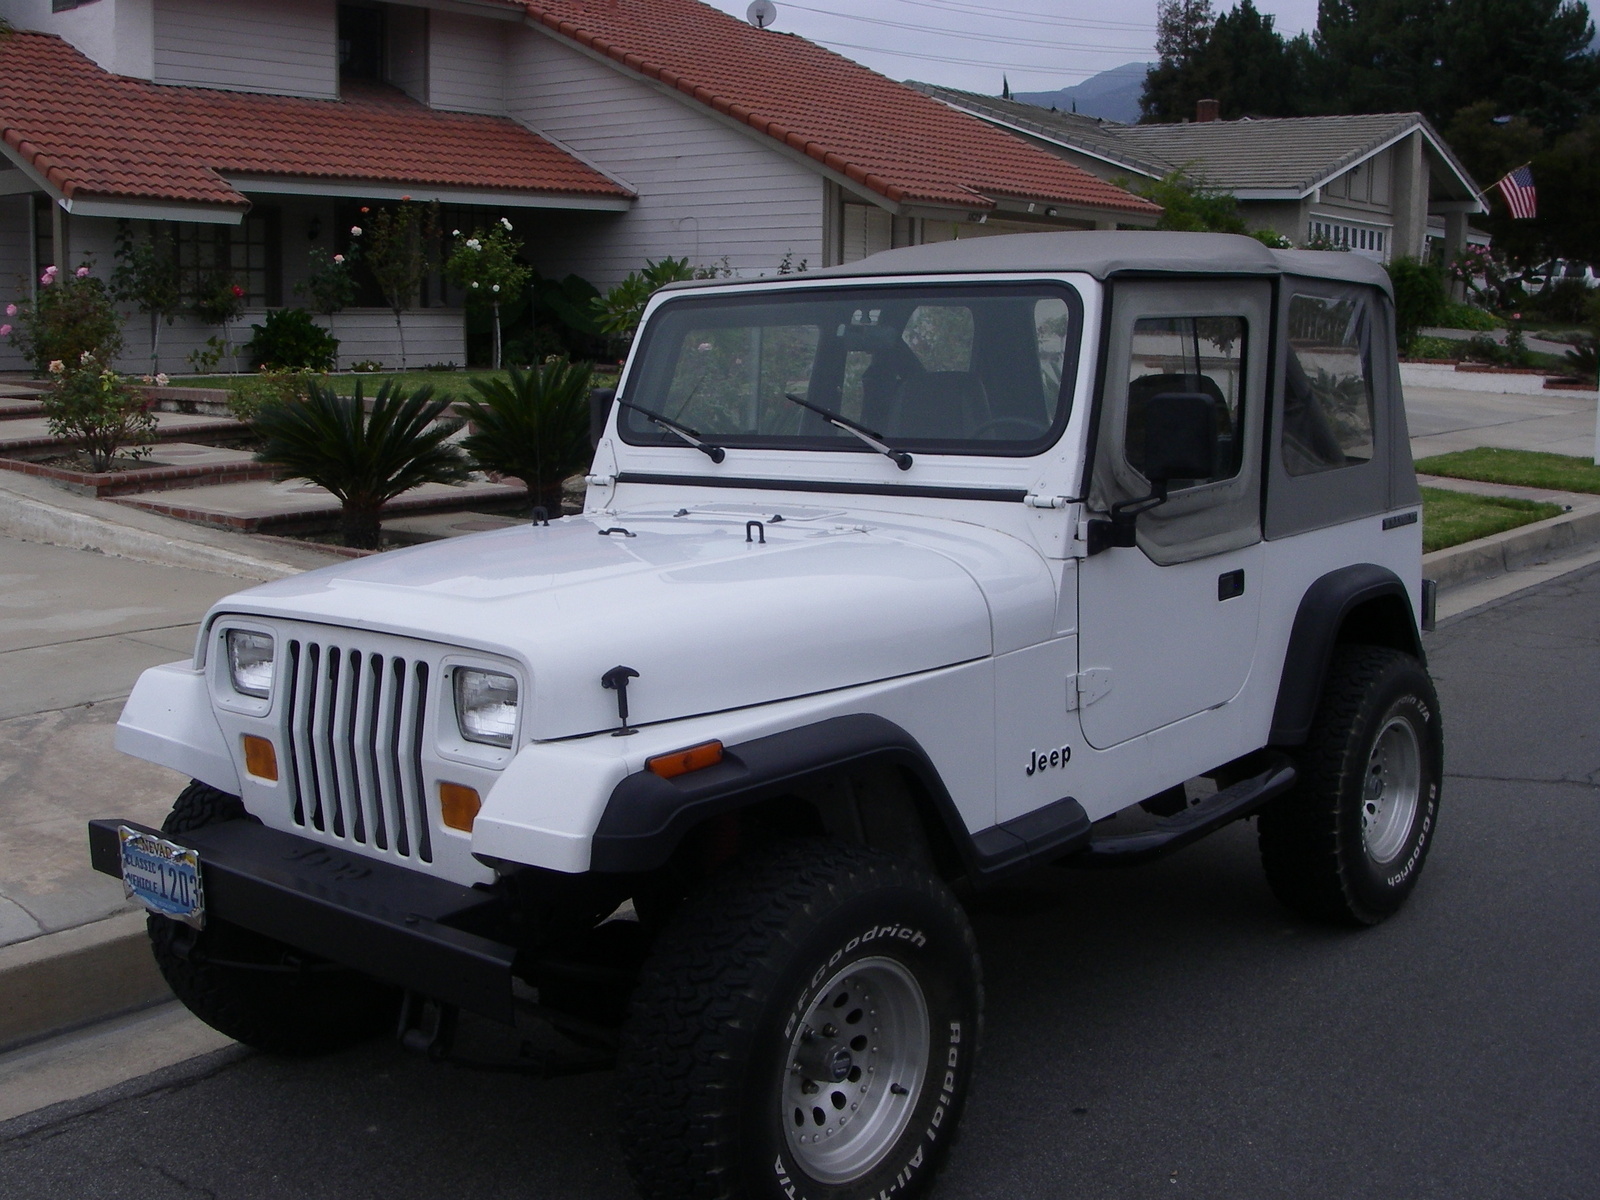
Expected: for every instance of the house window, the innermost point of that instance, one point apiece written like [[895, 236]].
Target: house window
[[247, 255], [361, 42], [1361, 238]]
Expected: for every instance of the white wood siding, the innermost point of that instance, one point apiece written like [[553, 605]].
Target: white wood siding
[[288, 47], [707, 192], [467, 63], [16, 268], [433, 335]]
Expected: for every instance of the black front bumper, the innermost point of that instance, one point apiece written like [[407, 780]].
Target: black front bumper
[[392, 923]]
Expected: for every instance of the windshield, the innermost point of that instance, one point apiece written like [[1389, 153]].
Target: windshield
[[946, 369]]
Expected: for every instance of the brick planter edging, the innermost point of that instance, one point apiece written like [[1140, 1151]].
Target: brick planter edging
[[101, 484]]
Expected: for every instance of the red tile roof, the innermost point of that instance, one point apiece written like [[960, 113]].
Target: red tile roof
[[884, 135], [92, 133]]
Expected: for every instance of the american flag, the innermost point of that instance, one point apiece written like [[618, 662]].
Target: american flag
[[1521, 198]]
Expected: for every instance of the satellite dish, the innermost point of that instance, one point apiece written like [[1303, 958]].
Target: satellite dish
[[761, 13]]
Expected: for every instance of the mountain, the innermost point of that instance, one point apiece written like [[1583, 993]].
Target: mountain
[[1112, 95]]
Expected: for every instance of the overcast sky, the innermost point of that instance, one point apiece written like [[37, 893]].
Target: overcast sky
[[1040, 45]]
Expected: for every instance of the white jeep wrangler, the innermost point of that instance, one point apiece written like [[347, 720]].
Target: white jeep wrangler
[[892, 580]]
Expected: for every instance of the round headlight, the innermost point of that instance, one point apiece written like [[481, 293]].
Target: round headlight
[[250, 662], [486, 706]]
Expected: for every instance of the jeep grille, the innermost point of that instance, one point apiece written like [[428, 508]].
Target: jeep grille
[[355, 747]]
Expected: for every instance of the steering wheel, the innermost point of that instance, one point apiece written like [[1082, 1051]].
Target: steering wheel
[[1028, 429]]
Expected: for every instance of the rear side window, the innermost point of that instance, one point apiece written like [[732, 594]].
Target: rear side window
[[1327, 400], [1189, 354]]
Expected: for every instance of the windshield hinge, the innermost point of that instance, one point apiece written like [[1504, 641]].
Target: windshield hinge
[[600, 481], [1034, 500]]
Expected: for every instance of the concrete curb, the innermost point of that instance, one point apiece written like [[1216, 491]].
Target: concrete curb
[[1502, 553], [61, 981]]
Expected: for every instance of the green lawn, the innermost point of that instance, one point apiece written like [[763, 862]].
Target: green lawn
[[453, 384], [1523, 468], [1450, 518]]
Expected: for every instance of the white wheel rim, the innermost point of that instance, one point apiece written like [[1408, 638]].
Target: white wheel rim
[[1391, 789], [856, 1066]]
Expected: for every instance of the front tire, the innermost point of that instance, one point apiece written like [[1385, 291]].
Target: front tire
[[254, 989], [1348, 842], [807, 1026]]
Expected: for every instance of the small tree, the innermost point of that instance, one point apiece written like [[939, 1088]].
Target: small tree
[[534, 426], [365, 459], [330, 288], [71, 316], [485, 266], [147, 277], [91, 406], [220, 301], [400, 247]]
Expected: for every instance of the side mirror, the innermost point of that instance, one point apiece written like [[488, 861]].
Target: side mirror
[[1180, 437], [599, 413]]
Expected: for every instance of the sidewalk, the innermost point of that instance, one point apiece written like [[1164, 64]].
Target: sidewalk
[[76, 629]]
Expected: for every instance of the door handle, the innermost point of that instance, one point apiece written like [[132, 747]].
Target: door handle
[[1230, 584]]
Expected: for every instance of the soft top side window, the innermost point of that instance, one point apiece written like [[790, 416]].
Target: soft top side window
[[1203, 355], [1327, 387]]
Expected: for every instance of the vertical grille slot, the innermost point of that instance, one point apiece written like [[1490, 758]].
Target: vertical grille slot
[[356, 722]]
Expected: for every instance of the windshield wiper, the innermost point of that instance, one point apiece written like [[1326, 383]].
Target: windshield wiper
[[715, 453], [899, 457]]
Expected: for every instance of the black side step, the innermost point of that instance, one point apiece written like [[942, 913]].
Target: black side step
[[1238, 800]]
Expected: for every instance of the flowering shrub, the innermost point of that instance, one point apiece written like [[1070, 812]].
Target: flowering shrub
[[485, 266], [71, 316], [400, 248], [330, 287], [95, 409]]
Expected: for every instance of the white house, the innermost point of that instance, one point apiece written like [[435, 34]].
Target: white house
[[610, 133]]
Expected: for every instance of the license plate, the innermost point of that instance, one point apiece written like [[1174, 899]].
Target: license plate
[[162, 876]]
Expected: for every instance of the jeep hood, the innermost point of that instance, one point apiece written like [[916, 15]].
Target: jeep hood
[[710, 620]]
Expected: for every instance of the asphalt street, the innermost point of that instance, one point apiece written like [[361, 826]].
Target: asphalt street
[[1165, 1031]]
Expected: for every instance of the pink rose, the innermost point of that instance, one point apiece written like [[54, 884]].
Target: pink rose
[[47, 279], [5, 331], [338, 258], [11, 310], [83, 272], [237, 291]]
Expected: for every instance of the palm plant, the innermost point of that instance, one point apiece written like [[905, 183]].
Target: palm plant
[[533, 426], [364, 458]]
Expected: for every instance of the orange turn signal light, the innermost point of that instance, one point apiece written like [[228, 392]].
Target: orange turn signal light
[[458, 806], [681, 762], [260, 759]]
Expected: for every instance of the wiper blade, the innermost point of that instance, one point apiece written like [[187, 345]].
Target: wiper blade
[[692, 436], [899, 457]]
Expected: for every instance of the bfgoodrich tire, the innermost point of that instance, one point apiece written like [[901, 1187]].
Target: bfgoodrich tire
[[1348, 843], [256, 990], [807, 1027]]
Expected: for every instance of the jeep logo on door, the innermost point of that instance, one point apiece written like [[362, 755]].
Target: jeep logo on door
[[1043, 760]]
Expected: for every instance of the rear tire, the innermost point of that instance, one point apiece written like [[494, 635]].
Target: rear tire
[[1348, 842], [256, 990], [807, 1026]]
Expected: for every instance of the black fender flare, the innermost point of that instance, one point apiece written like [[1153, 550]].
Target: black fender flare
[[647, 816], [1323, 611]]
